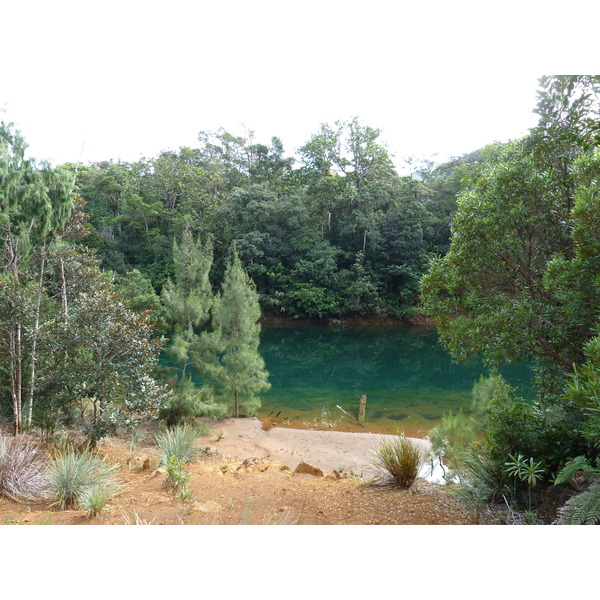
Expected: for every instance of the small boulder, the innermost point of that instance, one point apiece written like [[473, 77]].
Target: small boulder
[[142, 463], [304, 467], [253, 465], [207, 507]]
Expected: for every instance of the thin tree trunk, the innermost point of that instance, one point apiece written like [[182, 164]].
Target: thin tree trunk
[[65, 303], [34, 339], [16, 378], [237, 404]]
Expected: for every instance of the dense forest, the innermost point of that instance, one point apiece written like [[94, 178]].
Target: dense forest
[[336, 232], [501, 247]]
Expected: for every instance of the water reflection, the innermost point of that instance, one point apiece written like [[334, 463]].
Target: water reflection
[[408, 377]]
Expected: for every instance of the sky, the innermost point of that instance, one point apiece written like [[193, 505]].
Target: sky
[[124, 80]]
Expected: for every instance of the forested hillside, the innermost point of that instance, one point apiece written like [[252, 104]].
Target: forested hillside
[[334, 232]]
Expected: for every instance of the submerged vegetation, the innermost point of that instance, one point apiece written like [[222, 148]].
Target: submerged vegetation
[[500, 247]]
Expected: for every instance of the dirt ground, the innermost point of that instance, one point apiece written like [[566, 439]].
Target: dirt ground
[[246, 475]]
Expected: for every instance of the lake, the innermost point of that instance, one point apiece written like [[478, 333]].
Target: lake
[[409, 379]]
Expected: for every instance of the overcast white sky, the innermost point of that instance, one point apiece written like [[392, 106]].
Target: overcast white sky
[[125, 79]]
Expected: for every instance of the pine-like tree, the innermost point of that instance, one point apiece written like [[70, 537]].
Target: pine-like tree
[[189, 297], [236, 366]]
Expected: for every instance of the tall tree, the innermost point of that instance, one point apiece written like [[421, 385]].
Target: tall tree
[[189, 297], [35, 202], [235, 363]]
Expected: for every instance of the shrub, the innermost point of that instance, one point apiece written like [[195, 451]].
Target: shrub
[[177, 478], [189, 403], [453, 434], [478, 479], [179, 442], [400, 459], [94, 499], [22, 470], [74, 474], [583, 509]]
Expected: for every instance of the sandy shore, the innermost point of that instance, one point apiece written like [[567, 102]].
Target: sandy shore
[[328, 450]]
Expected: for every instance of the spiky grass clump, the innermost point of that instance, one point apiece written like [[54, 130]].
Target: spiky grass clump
[[178, 442], [95, 499], [400, 460], [74, 475], [22, 470]]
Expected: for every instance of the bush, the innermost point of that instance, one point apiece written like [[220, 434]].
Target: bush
[[74, 475], [177, 479], [94, 499], [179, 441], [400, 459], [189, 403], [453, 434], [22, 470]]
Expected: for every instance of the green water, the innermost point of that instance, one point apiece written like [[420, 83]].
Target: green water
[[409, 379]]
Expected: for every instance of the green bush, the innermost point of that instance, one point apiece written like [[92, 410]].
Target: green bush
[[453, 434], [177, 479], [189, 404], [74, 474], [400, 460]]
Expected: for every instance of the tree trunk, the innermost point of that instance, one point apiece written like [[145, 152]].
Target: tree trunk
[[237, 404], [65, 304], [16, 378], [34, 340]]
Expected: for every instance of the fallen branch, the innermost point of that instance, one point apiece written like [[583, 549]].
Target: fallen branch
[[350, 416]]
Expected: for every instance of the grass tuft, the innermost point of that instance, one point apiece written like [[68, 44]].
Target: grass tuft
[[178, 442], [75, 475], [22, 470], [400, 461]]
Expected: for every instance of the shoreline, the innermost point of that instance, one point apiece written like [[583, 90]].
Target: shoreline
[[341, 451]]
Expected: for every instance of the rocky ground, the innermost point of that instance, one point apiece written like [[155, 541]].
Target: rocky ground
[[249, 474]]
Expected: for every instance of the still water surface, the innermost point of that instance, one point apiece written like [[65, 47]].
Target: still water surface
[[409, 379]]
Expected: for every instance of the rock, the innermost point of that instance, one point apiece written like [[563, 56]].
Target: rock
[[259, 465], [142, 463], [209, 453], [253, 465], [277, 466], [581, 480], [207, 507], [304, 467]]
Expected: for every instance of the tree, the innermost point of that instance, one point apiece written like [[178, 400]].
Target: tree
[[104, 355], [35, 202], [229, 352], [494, 291], [189, 297], [520, 279]]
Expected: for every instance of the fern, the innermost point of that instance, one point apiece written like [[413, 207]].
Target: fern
[[583, 509], [579, 463]]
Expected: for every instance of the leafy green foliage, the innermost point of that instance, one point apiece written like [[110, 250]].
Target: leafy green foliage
[[453, 434], [177, 479], [189, 403], [583, 509]]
